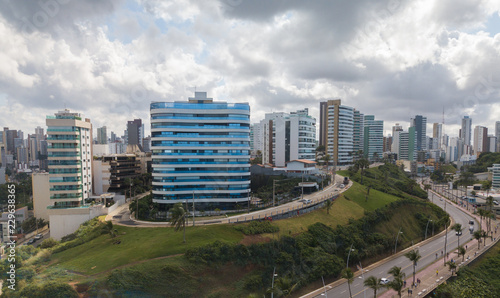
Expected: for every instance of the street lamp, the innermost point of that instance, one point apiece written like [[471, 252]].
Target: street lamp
[[396, 246], [427, 227], [272, 284], [349, 254], [324, 287]]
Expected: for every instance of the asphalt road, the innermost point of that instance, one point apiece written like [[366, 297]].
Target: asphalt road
[[428, 252]]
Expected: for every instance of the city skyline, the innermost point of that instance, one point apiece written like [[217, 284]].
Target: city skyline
[[114, 57]]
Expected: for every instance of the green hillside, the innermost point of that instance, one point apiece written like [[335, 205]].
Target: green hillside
[[130, 262]]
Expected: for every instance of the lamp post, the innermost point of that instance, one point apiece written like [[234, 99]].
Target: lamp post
[[396, 246], [249, 198], [427, 227], [324, 287], [348, 255], [272, 284]]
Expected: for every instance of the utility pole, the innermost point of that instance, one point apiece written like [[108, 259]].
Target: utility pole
[[302, 196], [274, 186], [193, 208]]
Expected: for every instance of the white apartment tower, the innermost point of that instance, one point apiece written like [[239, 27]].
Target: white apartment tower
[[69, 138], [283, 137]]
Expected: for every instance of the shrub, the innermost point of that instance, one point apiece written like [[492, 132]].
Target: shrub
[[48, 243], [257, 227]]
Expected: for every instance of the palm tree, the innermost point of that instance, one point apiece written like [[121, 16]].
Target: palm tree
[[285, 286], [327, 159], [477, 235], [458, 229], [484, 234], [349, 275], [452, 266], [462, 252], [413, 256], [489, 203], [482, 213], [328, 206], [373, 283], [362, 165], [179, 218], [398, 282]]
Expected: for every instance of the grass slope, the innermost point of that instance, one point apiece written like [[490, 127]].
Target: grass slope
[[139, 244]]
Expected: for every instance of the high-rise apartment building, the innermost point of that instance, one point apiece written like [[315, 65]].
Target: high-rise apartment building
[[112, 137], [437, 135], [497, 135], [287, 137], [337, 130], [396, 129], [466, 130], [69, 159], [480, 139], [201, 151], [134, 134], [102, 135], [420, 124], [359, 131], [492, 143], [374, 138]]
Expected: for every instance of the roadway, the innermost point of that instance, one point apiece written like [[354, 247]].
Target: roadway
[[427, 249], [122, 216]]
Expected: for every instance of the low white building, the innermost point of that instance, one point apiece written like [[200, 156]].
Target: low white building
[[301, 166]]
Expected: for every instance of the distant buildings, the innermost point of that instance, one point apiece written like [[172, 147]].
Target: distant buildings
[[102, 135], [480, 139], [420, 124], [466, 130], [201, 152], [135, 132]]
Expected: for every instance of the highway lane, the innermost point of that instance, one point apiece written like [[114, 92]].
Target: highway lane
[[428, 252]]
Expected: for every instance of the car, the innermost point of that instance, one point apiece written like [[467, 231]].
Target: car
[[342, 185], [38, 236], [471, 222], [495, 202], [384, 281], [459, 233], [31, 241], [307, 201]]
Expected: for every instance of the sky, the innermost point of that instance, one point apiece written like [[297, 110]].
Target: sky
[[108, 59]]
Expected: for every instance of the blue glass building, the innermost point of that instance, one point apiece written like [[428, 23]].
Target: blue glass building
[[201, 149]]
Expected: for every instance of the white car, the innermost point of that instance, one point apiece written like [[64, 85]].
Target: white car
[[38, 236], [384, 281]]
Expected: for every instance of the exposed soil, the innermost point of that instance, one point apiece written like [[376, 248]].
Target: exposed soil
[[254, 239]]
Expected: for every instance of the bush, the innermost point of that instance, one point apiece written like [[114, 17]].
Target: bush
[[50, 289], [257, 227], [88, 230], [48, 243]]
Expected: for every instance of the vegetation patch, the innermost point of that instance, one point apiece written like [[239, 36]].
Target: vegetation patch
[[257, 227]]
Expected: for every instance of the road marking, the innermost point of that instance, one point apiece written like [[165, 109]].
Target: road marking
[[343, 292]]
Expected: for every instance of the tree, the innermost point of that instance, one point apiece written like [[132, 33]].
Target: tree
[[462, 252], [477, 235], [489, 203], [373, 283], [285, 286], [452, 266], [482, 213], [349, 275], [328, 206], [458, 229], [178, 220], [397, 283], [413, 256]]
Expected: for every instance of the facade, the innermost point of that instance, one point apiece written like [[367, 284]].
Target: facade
[[102, 135], [111, 171], [492, 143], [69, 159], [466, 131], [374, 138], [286, 136], [480, 139], [41, 195], [420, 124], [201, 152], [337, 130]]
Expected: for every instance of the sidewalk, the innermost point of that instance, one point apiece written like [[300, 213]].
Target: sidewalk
[[437, 273]]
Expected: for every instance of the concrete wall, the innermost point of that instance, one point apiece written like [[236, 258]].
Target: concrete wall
[[41, 195], [67, 221]]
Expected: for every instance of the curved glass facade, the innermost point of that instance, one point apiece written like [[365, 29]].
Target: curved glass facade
[[201, 149]]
